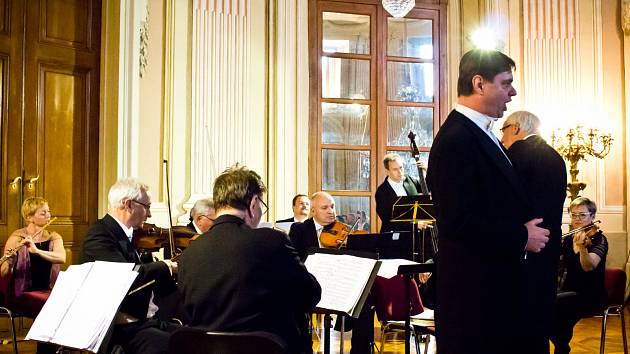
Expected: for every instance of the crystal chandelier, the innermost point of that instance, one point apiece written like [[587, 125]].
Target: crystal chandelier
[[398, 8]]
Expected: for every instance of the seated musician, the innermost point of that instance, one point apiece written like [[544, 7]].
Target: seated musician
[[202, 216], [301, 209], [33, 258], [583, 291], [238, 278], [306, 236], [109, 239]]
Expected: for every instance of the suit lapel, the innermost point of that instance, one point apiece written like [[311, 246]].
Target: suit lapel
[[409, 186], [496, 156], [121, 237]]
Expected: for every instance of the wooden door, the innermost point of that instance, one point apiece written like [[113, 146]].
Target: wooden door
[[53, 124]]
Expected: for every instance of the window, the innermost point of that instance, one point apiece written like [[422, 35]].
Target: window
[[375, 78]]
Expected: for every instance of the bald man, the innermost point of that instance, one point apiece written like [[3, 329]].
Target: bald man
[[305, 236]]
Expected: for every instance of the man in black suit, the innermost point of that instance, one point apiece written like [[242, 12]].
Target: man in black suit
[[202, 216], [238, 278], [395, 185], [483, 217], [305, 236], [109, 239], [301, 209], [544, 176]]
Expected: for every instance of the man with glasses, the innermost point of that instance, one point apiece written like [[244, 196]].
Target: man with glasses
[[582, 292], [202, 216], [110, 239], [238, 278], [543, 173]]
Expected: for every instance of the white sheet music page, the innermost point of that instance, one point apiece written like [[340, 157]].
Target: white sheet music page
[[90, 301], [389, 267], [342, 278]]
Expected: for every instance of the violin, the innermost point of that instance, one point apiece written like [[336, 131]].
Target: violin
[[151, 237], [590, 229], [336, 234]]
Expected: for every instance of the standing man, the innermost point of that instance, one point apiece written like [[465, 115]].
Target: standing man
[[109, 239], [396, 184], [202, 216], [544, 176], [301, 209], [240, 279], [483, 217]]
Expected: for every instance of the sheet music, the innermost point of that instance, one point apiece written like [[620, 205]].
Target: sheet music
[[284, 226], [342, 278], [82, 304], [389, 267]]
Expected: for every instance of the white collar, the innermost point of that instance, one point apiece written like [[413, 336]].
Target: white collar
[[483, 121], [317, 225], [128, 230], [196, 228]]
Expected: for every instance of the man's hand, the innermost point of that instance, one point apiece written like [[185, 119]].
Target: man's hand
[[537, 237], [172, 265]]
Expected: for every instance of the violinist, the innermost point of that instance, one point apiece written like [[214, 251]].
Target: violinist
[[307, 235], [202, 216], [583, 291], [109, 239]]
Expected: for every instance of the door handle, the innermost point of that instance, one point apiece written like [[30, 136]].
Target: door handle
[[31, 183], [14, 184]]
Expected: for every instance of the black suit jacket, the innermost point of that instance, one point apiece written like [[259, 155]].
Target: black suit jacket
[[481, 209], [106, 241], [235, 278], [303, 236], [544, 176], [386, 197]]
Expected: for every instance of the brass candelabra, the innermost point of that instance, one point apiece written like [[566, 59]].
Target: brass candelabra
[[576, 145]]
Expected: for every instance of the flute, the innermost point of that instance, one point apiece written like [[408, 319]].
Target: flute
[[11, 252]]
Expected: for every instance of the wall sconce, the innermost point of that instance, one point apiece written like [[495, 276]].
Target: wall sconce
[[574, 146]]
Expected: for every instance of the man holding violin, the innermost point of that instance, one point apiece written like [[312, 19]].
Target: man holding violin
[[109, 239], [202, 216], [308, 235]]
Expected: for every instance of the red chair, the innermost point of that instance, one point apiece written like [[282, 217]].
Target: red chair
[[615, 282], [392, 307]]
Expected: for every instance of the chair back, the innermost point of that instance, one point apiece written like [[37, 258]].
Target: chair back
[[191, 340], [390, 301], [615, 283]]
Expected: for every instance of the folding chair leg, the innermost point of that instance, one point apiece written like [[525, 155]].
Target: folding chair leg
[[623, 331], [602, 340], [13, 336]]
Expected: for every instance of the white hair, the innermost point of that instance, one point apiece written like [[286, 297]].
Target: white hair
[[525, 120], [125, 189], [201, 207]]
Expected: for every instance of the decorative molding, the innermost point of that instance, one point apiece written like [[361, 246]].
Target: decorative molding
[[144, 43], [625, 16]]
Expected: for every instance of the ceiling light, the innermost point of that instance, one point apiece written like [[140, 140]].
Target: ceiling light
[[398, 8]]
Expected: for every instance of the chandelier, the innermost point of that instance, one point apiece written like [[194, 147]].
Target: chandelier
[[398, 8]]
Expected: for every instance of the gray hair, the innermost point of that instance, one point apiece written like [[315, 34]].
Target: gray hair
[[589, 204], [525, 120], [125, 189], [201, 207]]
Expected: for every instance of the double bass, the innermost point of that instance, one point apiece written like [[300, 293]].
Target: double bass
[[423, 187]]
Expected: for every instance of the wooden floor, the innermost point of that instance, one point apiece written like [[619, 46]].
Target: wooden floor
[[585, 340]]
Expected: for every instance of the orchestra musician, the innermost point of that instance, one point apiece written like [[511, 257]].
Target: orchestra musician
[[109, 239], [482, 215], [239, 278], [32, 258], [583, 291], [544, 176], [306, 236], [202, 216], [301, 209]]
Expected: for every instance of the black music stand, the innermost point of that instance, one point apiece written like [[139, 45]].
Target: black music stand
[[408, 271], [414, 208], [387, 245]]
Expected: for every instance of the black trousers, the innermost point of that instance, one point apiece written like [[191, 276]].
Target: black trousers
[[145, 337]]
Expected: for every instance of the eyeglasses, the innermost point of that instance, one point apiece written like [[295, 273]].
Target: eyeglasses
[[580, 216], [505, 127], [265, 208], [146, 206], [207, 217]]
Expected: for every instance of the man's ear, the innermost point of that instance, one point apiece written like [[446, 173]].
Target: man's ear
[[477, 84], [252, 205]]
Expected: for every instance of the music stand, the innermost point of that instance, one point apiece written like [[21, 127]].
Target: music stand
[[414, 208], [387, 245]]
